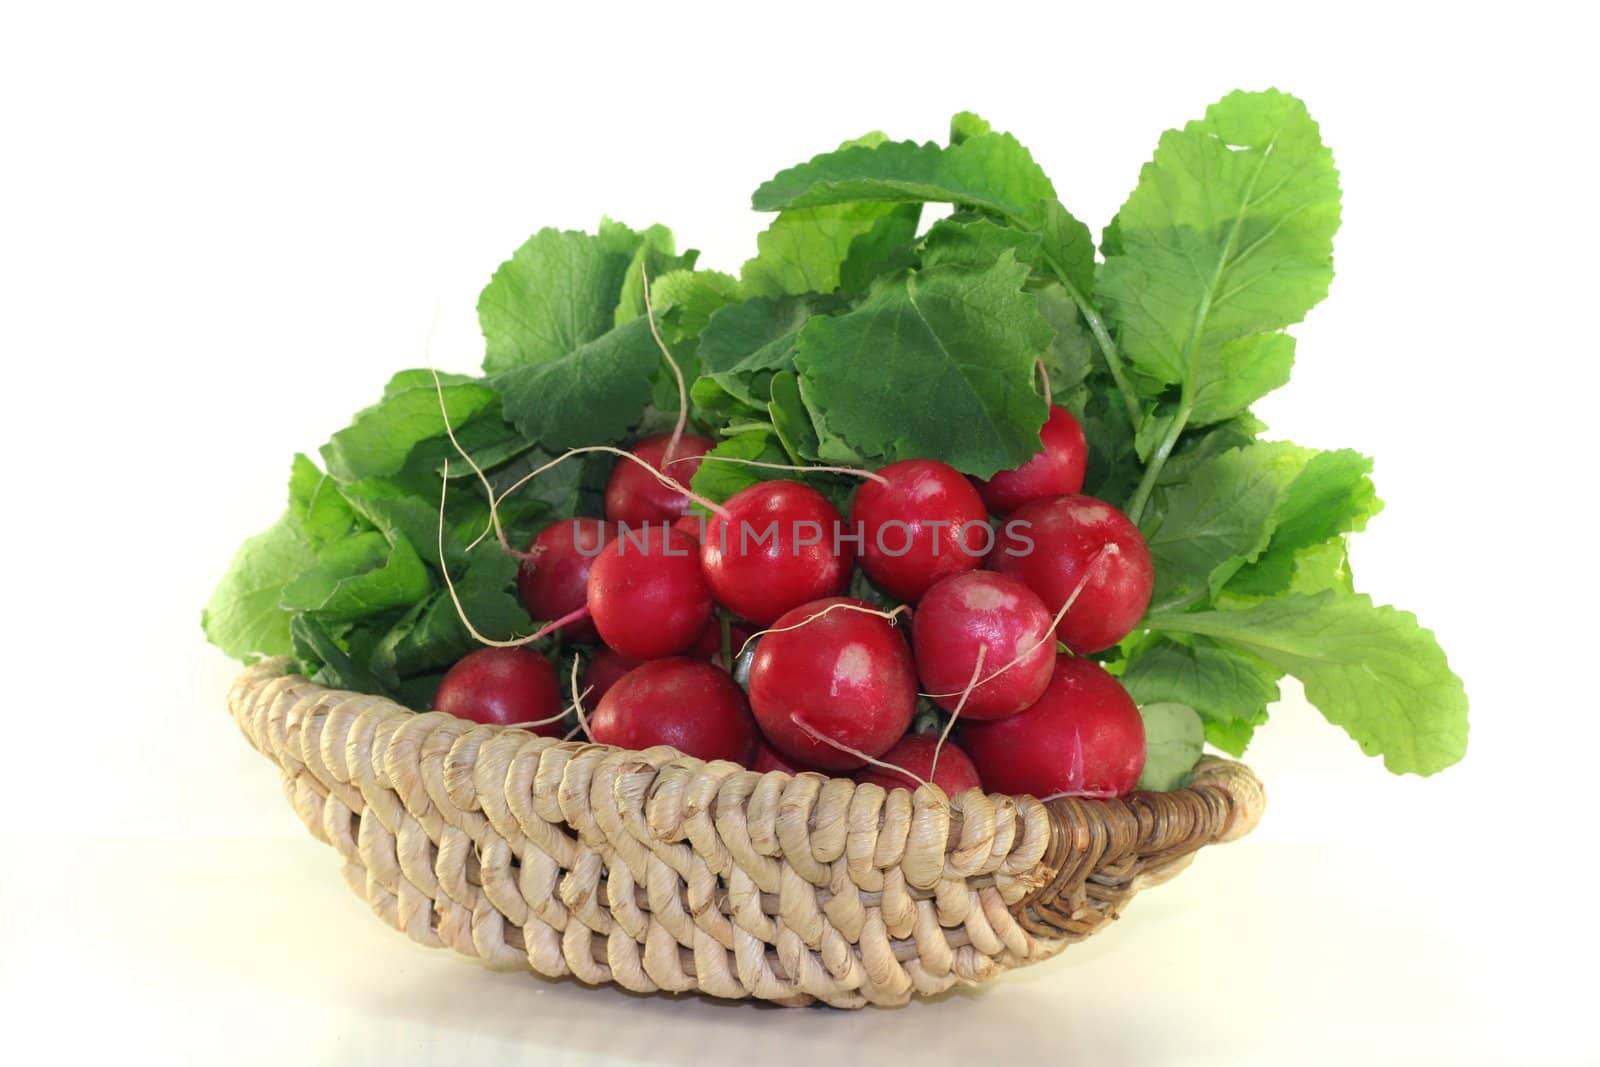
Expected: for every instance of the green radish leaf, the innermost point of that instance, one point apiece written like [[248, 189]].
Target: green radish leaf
[[745, 344], [685, 299], [791, 421], [1242, 372], [964, 125], [1229, 233], [329, 662], [887, 248], [244, 618], [592, 394], [989, 171], [366, 574], [972, 240], [1202, 529], [1070, 358], [560, 291], [718, 481], [1224, 684], [321, 510], [938, 364], [654, 257], [1332, 495], [431, 636], [1068, 244], [380, 440], [1372, 670], [1233, 737], [1174, 738]]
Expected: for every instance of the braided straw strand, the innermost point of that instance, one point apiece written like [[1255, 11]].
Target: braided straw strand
[[659, 872]]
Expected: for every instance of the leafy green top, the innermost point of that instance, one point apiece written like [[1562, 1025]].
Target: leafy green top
[[853, 336]]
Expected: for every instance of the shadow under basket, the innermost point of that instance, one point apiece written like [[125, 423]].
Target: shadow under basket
[[660, 872]]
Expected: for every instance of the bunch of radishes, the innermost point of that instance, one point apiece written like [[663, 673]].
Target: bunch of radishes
[[988, 569]]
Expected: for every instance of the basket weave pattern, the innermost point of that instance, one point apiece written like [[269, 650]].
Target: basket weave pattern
[[657, 871]]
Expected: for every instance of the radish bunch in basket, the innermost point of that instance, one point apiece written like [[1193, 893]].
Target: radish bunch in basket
[[726, 630]]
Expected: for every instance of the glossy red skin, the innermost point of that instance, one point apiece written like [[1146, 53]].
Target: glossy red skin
[[914, 753], [920, 492], [1084, 737], [502, 686], [1056, 471], [605, 668], [686, 703], [990, 610], [767, 759], [555, 580], [759, 582], [848, 675], [634, 497], [1067, 533], [647, 595], [709, 644], [693, 525]]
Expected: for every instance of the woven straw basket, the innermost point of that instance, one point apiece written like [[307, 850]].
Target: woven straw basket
[[657, 871]]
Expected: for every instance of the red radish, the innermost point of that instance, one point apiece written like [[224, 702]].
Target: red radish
[[646, 593], [1060, 544], [636, 498], [998, 613], [503, 686], [768, 759], [554, 579], [923, 523], [709, 644], [693, 525], [685, 703], [1056, 471], [914, 753], [845, 675], [774, 550], [1084, 737], [605, 668]]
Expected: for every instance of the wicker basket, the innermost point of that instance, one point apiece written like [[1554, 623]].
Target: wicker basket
[[657, 871]]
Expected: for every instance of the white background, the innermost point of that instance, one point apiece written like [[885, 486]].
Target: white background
[[225, 225]]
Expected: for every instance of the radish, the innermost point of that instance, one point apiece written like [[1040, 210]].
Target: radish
[[604, 670], [693, 525], [996, 612], [768, 759], [776, 547], [1057, 470], [646, 593], [913, 756], [685, 703], [503, 687], [554, 579], [919, 521], [1084, 737], [832, 684], [709, 644], [1078, 547], [635, 497]]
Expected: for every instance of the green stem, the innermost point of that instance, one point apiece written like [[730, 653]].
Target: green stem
[[1102, 336], [1158, 458]]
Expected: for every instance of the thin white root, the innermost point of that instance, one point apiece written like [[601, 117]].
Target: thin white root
[[455, 598], [664, 479], [1044, 383], [1101, 554], [488, 489], [938, 748], [577, 701], [822, 738], [888, 616], [677, 371]]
